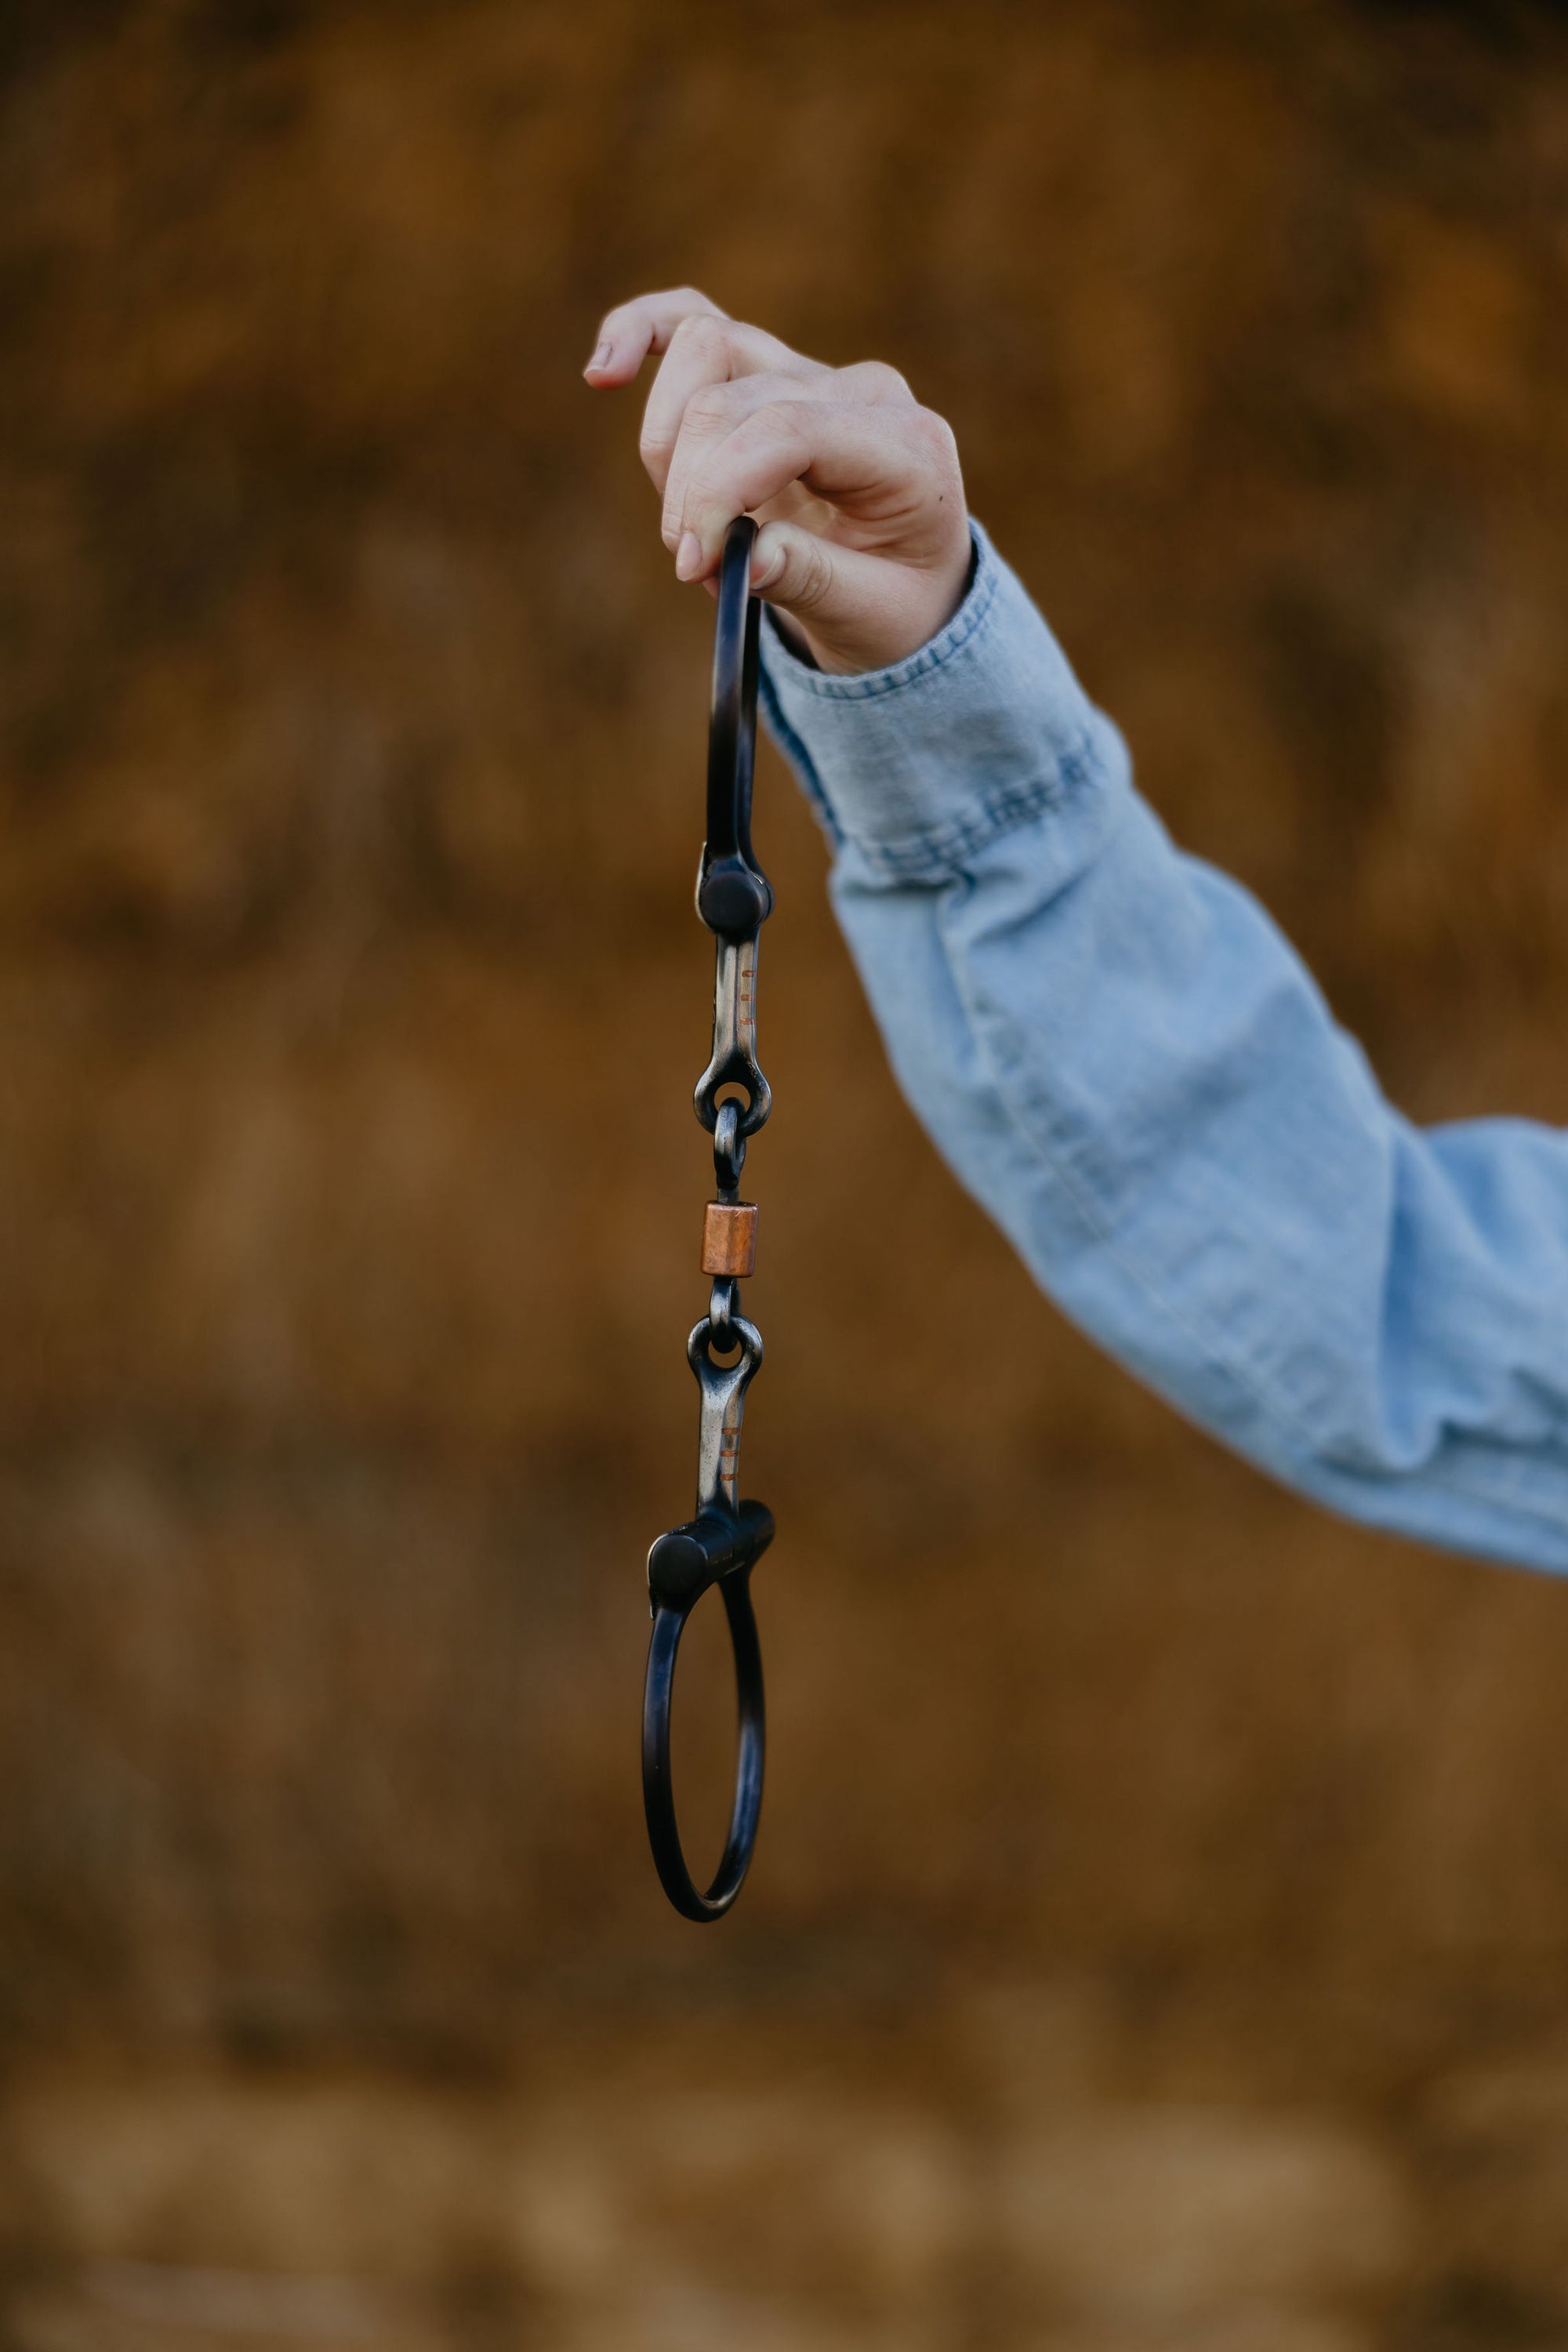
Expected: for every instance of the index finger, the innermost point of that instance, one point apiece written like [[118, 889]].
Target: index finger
[[704, 354], [635, 328]]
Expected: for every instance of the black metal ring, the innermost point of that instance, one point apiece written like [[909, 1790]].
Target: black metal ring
[[659, 1796]]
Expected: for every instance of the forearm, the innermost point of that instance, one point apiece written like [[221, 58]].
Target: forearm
[[1121, 1058]]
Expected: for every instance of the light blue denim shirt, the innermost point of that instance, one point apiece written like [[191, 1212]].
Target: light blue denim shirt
[[1124, 1060]]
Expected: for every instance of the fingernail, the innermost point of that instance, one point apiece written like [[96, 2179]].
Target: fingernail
[[601, 359], [770, 571], [689, 556]]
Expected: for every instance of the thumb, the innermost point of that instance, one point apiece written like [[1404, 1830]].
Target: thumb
[[847, 604], [793, 568]]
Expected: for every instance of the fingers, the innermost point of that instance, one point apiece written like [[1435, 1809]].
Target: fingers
[[892, 465], [717, 408], [865, 542], [706, 350], [711, 415], [635, 328]]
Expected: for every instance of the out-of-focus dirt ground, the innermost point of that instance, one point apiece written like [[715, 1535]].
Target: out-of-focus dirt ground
[[1159, 1940]]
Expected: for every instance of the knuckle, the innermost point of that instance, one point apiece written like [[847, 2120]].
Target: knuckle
[[778, 435], [879, 380], [936, 440], [781, 419], [815, 576], [713, 405], [703, 333]]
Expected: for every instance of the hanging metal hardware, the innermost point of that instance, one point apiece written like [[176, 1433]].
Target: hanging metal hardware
[[728, 1537]]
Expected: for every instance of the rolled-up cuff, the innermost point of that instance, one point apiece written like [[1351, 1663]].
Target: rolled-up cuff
[[920, 765]]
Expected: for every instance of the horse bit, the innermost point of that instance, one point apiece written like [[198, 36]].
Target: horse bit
[[724, 1542]]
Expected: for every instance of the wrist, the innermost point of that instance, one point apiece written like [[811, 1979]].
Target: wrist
[[918, 764]]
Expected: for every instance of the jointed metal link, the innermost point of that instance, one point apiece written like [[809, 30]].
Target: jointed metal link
[[730, 1228], [734, 1057], [723, 1391]]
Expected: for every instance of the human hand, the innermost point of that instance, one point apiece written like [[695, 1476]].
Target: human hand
[[864, 540]]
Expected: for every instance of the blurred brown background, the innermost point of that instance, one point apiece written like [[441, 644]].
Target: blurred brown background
[[1158, 1933]]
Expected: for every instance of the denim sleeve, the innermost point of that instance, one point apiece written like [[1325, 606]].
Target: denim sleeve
[[1123, 1060]]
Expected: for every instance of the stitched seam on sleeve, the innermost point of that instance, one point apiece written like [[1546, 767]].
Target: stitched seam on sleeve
[[931, 852]]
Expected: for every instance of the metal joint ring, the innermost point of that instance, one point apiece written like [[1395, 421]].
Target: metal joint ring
[[734, 1068], [724, 1316], [729, 1144]]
